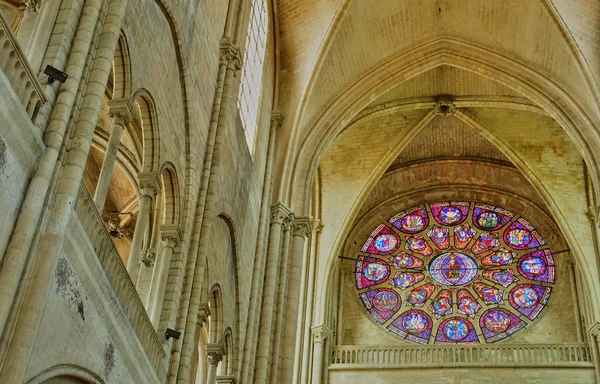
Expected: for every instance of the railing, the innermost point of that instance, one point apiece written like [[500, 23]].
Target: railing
[[117, 275], [577, 355], [15, 66]]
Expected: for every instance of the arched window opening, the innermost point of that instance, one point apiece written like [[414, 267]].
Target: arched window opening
[[252, 70]]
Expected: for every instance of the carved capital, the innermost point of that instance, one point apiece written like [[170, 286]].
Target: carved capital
[[214, 353], [320, 333], [444, 107], [149, 183], [120, 111], [34, 5], [149, 257], [276, 120], [302, 226], [171, 235], [230, 55], [279, 213]]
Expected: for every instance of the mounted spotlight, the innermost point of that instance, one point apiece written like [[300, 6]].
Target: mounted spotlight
[[172, 333], [54, 74]]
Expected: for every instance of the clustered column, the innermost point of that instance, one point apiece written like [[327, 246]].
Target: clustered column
[[149, 183], [214, 355], [121, 114]]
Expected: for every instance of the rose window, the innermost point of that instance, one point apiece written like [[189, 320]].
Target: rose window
[[455, 272]]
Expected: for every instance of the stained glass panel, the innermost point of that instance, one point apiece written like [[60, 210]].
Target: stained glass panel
[[460, 284]]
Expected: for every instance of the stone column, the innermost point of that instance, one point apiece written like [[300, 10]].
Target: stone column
[[260, 257], [170, 236], [314, 247], [575, 298], [279, 213], [121, 114], [214, 355], [320, 335], [149, 183], [292, 328]]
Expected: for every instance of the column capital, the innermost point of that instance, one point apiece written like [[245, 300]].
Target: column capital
[[279, 213], [214, 353], [170, 234], [276, 120], [120, 111], [302, 226], [320, 333], [230, 55], [149, 183]]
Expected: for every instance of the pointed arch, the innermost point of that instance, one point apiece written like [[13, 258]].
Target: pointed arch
[[121, 79], [172, 195], [143, 101]]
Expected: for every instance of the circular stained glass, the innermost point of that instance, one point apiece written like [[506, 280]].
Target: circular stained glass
[[453, 269], [415, 322], [375, 272], [413, 223], [487, 219], [456, 329], [496, 321], [524, 297], [461, 271], [532, 265], [386, 242], [518, 238], [450, 215], [385, 300]]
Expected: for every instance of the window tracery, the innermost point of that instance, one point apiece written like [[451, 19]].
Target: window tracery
[[455, 272]]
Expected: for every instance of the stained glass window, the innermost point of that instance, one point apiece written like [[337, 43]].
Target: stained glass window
[[455, 272]]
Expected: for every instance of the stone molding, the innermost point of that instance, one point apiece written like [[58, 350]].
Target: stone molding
[[214, 353], [302, 226], [230, 55], [120, 111], [149, 183], [279, 213]]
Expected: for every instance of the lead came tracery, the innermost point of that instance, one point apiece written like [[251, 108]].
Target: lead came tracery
[[455, 272]]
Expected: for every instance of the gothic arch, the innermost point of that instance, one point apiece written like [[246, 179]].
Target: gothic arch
[[172, 195], [215, 302], [150, 132], [121, 70]]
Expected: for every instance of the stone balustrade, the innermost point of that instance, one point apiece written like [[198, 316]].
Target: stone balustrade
[[437, 356], [118, 277], [15, 66]]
